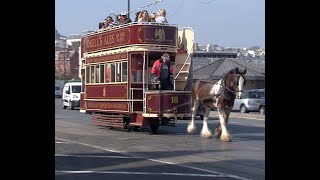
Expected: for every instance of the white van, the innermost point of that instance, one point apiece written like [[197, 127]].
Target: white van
[[71, 95]]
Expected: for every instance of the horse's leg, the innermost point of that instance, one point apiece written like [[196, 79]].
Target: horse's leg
[[225, 136], [226, 117], [205, 132], [192, 127], [217, 131]]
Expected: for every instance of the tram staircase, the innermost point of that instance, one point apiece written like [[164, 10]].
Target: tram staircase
[[107, 120], [183, 65]]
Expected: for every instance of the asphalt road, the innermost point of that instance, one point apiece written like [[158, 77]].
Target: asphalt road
[[85, 151]]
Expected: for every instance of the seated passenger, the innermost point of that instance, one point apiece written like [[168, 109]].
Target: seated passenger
[[161, 16], [152, 17], [108, 22], [137, 16], [123, 19], [143, 16]]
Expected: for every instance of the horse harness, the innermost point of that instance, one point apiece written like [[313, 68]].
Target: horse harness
[[229, 99]]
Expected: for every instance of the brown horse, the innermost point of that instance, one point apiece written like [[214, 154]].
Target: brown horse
[[221, 95]]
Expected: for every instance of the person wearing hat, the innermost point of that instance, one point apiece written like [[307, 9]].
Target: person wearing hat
[[123, 18], [162, 72]]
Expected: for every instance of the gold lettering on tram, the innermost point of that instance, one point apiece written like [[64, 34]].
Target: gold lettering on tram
[[120, 37], [106, 105], [109, 39], [100, 38]]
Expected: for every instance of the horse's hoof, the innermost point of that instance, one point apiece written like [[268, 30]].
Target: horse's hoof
[[191, 130], [206, 135], [226, 138]]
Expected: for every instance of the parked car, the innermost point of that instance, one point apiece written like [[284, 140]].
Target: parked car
[[250, 101], [71, 95], [58, 92]]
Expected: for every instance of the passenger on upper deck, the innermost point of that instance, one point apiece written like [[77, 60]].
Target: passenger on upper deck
[[161, 16], [137, 16], [152, 17], [123, 18], [108, 22], [162, 72], [143, 16]]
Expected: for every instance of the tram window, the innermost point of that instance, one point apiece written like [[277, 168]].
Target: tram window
[[97, 74], [124, 72], [118, 72], [87, 74], [101, 73], [112, 73], [92, 74], [108, 72], [136, 68]]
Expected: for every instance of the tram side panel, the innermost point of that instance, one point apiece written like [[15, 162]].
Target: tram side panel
[[107, 98]]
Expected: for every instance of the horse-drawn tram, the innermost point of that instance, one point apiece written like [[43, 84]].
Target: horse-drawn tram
[[118, 89]]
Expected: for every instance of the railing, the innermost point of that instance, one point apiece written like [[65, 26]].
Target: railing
[[127, 25], [132, 96]]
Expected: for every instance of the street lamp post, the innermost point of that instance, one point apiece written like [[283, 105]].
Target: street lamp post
[[64, 62]]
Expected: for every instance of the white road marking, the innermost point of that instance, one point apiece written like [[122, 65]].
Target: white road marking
[[259, 125], [139, 173], [57, 142], [253, 147], [165, 162], [245, 117], [85, 156], [128, 138]]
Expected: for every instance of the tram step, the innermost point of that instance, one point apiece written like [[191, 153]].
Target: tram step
[[107, 123], [107, 120], [109, 115], [135, 124]]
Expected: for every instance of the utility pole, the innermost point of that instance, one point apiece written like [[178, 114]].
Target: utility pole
[[64, 59], [128, 8]]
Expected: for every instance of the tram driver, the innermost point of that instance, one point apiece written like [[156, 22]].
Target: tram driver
[[162, 72]]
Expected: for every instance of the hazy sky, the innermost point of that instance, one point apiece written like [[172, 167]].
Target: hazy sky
[[228, 23]]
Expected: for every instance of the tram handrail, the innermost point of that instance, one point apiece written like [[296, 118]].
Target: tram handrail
[[174, 87], [183, 64], [143, 82]]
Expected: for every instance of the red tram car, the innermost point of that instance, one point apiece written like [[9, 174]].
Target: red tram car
[[115, 73]]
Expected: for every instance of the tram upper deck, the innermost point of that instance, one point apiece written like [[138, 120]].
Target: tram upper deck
[[131, 37]]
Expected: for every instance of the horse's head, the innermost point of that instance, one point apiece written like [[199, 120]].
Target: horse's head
[[235, 81], [240, 81]]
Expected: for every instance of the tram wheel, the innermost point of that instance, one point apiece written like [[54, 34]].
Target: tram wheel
[[154, 125], [154, 129], [136, 128]]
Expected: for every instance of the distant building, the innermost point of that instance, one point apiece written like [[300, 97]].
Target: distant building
[[214, 70], [73, 38]]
